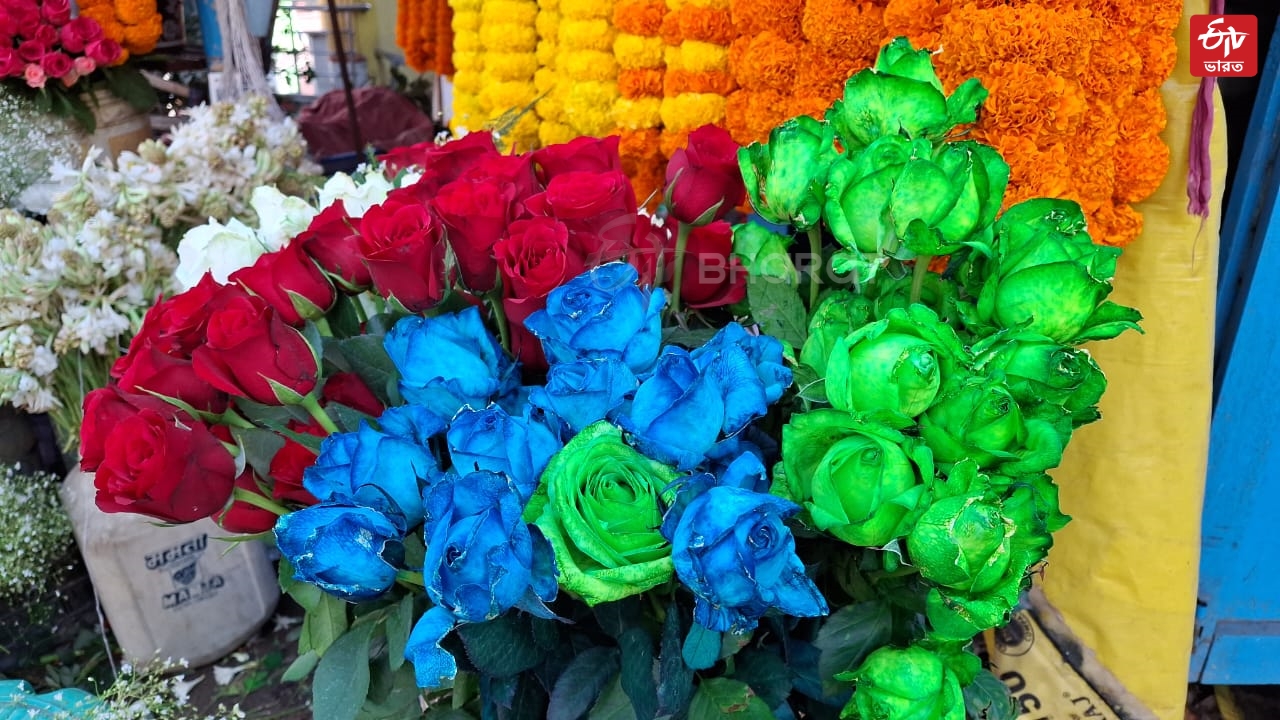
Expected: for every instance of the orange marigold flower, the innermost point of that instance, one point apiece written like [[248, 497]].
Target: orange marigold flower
[[764, 62], [689, 81], [705, 24], [749, 115], [135, 12], [141, 38], [673, 140], [814, 107], [779, 16], [640, 82], [920, 21], [1140, 166], [973, 38], [105, 16], [1027, 101], [1144, 115], [836, 27], [1116, 225], [639, 143], [1130, 17], [821, 74], [1159, 53], [639, 17], [1115, 69], [939, 263]]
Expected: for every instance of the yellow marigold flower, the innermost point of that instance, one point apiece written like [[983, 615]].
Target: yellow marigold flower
[[587, 65], [507, 67], [673, 57], [548, 23], [544, 79], [500, 97], [591, 34], [588, 108], [549, 5], [460, 6], [468, 61], [690, 111], [508, 12], [509, 38], [675, 4], [465, 43], [635, 51], [638, 113], [583, 9], [702, 57], [547, 51], [550, 107], [465, 21], [550, 133], [718, 4]]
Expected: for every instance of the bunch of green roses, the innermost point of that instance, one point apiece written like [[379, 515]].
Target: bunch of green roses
[[930, 405]]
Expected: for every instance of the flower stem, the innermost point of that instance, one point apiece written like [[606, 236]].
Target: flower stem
[[917, 276], [322, 324], [409, 577], [259, 501], [682, 240], [494, 297], [312, 406], [815, 277], [231, 418]]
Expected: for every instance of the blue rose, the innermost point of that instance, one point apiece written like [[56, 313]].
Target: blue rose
[[748, 369], [492, 440], [449, 361], [341, 549], [732, 549], [585, 391], [482, 560], [677, 413], [374, 470], [412, 422], [602, 313]]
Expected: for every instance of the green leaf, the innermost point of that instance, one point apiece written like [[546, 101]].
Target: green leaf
[[688, 338], [848, 637], [347, 418], [638, 681], [260, 447], [582, 682], [1108, 321], [81, 113], [399, 624], [986, 698], [301, 667], [675, 679], [722, 697], [368, 359], [809, 386], [613, 704], [342, 677], [701, 647], [546, 633], [269, 416], [766, 673], [448, 714], [616, 617], [325, 623], [732, 642], [306, 594], [398, 696], [128, 84], [343, 318], [777, 308], [501, 647]]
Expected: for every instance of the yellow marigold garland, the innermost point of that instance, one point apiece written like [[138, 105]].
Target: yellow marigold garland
[[586, 69], [639, 50], [135, 24], [468, 60], [508, 41], [698, 79]]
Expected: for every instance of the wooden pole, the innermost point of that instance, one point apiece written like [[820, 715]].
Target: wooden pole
[[357, 142]]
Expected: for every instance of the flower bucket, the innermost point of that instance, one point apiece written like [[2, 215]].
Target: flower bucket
[[120, 127], [174, 592]]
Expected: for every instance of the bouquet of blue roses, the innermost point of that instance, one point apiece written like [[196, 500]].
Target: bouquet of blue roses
[[512, 476]]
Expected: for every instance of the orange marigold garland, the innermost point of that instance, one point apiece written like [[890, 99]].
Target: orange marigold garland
[[698, 76], [639, 50], [135, 24]]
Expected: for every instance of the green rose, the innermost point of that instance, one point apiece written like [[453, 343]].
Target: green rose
[[979, 419], [840, 313], [1031, 502], [861, 482], [896, 365], [935, 292], [1039, 370], [1047, 277], [910, 683], [785, 177], [962, 542], [600, 504]]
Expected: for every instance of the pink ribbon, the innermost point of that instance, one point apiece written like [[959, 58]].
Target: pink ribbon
[[1199, 165]]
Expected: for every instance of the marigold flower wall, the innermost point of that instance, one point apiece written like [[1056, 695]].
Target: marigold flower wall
[[1074, 106]]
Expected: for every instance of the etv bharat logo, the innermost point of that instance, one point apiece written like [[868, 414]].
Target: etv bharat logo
[[1224, 45]]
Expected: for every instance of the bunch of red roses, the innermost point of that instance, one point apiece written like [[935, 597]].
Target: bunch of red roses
[[484, 228], [40, 41]]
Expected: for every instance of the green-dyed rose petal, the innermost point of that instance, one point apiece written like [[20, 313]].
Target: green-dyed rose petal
[[910, 683]]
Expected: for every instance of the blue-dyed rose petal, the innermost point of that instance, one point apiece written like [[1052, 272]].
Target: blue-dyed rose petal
[[340, 549]]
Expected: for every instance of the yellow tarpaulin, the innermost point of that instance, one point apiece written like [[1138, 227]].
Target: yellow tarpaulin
[[1123, 574]]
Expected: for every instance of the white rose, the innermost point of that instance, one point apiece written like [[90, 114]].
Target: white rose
[[218, 249], [356, 198], [280, 217]]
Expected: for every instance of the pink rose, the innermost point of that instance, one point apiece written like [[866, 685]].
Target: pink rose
[[57, 12], [32, 50], [84, 65], [45, 34], [10, 64], [103, 52], [80, 32], [56, 65], [34, 75]]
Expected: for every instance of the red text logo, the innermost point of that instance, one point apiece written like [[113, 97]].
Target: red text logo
[[1224, 45]]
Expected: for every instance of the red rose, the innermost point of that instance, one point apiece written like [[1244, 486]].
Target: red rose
[[291, 282], [56, 64], [77, 34], [598, 208], [475, 214], [105, 408], [165, 464], [403, 244], [175, 326], [8, 29], [712, 277], [248, 346], [10, 64], [514, 170], [152, 370], [243, 517], [583, 154], [45, 34], [653, 247], [57, 12], [103, 52], [25, 16], [441, 164], [32, 51], [287, 467], [704, 177], [348, 389], [535, 257], [334, 242], [524, 345]]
